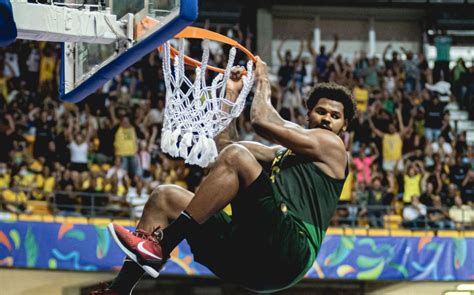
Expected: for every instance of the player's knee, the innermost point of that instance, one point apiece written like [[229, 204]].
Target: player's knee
[[160, 196], [234, 154]]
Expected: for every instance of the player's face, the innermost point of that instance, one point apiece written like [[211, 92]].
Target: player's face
[[328, 114]]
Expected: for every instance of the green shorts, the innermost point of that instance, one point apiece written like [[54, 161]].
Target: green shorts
[[259, 247]]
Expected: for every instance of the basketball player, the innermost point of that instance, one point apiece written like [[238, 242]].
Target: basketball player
[[279, 217]]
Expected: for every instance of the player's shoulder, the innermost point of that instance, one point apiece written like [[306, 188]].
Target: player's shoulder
[[327, 139]]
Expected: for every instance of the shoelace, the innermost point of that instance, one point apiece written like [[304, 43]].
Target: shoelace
[[155, 236]]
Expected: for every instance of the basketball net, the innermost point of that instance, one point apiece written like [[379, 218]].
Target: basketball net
[[195, 112]]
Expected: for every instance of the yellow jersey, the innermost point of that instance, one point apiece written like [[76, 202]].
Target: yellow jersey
[[361, 96], [49, 183], [347, 188], [392, 145], [125, 142], [47, 65], [412, 187], [5, 181]]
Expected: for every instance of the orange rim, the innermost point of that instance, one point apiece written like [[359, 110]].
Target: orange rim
[[198, 33]]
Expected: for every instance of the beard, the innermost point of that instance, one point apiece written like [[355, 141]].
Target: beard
[[324, 126]]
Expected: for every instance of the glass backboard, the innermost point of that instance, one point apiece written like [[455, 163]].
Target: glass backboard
[[87, 66]]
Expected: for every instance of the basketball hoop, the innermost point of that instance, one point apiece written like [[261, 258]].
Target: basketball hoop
[[195, 115]]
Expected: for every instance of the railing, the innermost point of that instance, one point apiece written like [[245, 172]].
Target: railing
[[382, 216], [107, 205], [69, 203]]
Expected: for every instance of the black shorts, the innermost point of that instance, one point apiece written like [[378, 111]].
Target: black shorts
[[259, 247], [79, 167]]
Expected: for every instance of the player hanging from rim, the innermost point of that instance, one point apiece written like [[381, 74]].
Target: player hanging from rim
[[279, 217]]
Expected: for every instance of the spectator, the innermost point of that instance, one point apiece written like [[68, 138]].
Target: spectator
[[144, 160], [136, 197], [460, 145], [379, 198], [428, 195], [361, 134], [322, 58], [371, 74], [65, 200], [438, 216], [33, 65], [292, 100], [287, 64], [7, 129], [363, 163], [443, 44], [361, 95], [94, 200], [414, 215], [433, 110], [412, 71], [458, 71], [391, 64], [446, 130], [43, 132], [47, 67], [14, 200], [125, 144], [425, 71], [467, 189], [105, 136], [79, 147], [412, 181], [390, 82], [461, 214], [459, 171], [467, 99], [392, 144], [441, 147], [5, 176], [348, 213], [117, 171]]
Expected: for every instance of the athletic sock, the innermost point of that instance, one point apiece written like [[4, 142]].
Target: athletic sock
[[127, 278], [177, 231]]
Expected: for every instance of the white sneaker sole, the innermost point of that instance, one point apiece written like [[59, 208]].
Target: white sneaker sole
[[148, 269]]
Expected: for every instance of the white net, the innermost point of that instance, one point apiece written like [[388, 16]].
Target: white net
[[194, 111]]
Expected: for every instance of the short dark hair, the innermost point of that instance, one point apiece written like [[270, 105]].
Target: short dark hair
[[335, 92]]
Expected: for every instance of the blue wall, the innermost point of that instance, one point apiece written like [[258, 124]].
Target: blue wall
[[89, 247]]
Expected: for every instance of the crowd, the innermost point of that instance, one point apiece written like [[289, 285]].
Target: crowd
[[407, 160]]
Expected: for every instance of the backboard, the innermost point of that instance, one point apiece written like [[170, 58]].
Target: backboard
[[87, 66]]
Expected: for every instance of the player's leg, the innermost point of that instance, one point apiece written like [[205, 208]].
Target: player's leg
[[236, 168], [164, 205]]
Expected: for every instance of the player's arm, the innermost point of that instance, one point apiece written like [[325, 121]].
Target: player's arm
[[230, 135], [318, 144], [261, 152], [233, 86]]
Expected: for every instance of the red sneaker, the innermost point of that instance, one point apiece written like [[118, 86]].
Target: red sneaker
[[103, 290], [140, 246]]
